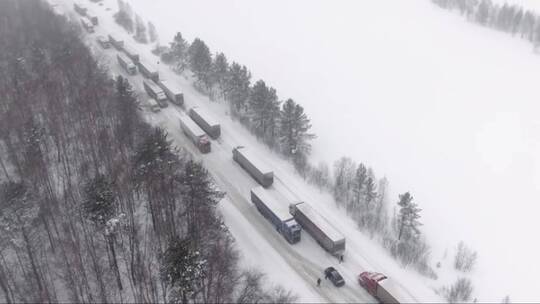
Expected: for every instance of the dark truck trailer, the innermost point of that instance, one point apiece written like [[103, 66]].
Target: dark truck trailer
[[196, 134], [148, 70], [274, 207], [131, 53], [126, 63], [319, 228], [257, 169], [173, 92], [155, 92], [205, 121], [81, 10], [382, 288], [116, 42]]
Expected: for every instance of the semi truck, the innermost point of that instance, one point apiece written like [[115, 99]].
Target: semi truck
[[88, 26], [131, 53], [382, 288], [148, 70], [196, 134], [274, 207], [81, 10], [205, 121], [155, 92], [154, 105], [116, 42], [319, 228], [103, 42], [173, 92], [127, 64], [257, 169]]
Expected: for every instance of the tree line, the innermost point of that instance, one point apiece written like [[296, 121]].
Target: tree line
[[95, 204], [282, 124], [510, 18], [134, 24]]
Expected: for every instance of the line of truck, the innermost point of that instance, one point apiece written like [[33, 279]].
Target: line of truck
[[289, 217]]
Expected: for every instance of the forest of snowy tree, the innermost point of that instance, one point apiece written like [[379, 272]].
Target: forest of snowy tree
[[96, 205]]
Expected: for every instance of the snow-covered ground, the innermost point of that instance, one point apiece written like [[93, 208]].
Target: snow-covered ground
[[445, 109]]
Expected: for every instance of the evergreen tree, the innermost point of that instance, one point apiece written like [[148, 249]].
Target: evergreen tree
[[527, 25], [294, 128], [516, 23], [178, 52], [182, 270], [140, 30], [200, 197], [126, 109], [358, 186], [483, 13], [220, 68], [200, 62], [237, 88], [264, 110], [152, 33], [409, 214], [124, 16], [99, 204]]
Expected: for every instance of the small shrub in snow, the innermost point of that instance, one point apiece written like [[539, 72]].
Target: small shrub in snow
[[460, 292], [465, 258]]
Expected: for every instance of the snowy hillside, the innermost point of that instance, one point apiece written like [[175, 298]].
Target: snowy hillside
[[444, 108]]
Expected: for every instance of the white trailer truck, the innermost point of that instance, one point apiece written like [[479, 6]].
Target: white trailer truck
[[127, 64], [155, 92], [196, 134], [274, 207], [206, 121], [254, 166], [173, 92], [326, 235]]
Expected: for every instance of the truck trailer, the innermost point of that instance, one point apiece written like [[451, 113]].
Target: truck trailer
[[116, 42], [384, 289], [196, 134], [257, 169], [127, 64], [319, 228], [205, 121], [274, 207], [131, 53], [155, 92], [173, 92], [148, 70]]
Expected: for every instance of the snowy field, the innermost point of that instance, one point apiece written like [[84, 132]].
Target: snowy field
[[444, 108]]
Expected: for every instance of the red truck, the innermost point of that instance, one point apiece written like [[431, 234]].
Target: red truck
[[381, 287]]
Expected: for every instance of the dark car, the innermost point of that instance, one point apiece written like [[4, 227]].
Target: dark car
[[334, 276]]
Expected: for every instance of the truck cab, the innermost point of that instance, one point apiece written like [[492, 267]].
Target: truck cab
[[162, 99], [291, 231]]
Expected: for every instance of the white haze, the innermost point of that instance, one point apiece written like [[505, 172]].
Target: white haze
[[444, 108]]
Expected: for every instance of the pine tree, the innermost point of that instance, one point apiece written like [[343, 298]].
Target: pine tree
[[527, 25], [126, 108], [182, 270], [152, 33], [358, 186], [264, 111], [237, 88], [178, 52], [140, 30], [200, 197], [409, 214], [294, 128], [200, 62], [483, 13], [124, 16], [220, 68]]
